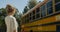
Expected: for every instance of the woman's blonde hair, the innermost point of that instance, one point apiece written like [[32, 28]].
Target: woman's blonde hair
[[10, 9]]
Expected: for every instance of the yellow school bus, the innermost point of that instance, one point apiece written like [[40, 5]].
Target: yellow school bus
[[44, 17]]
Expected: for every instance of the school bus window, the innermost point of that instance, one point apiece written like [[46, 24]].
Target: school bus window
[[49, 4], [50, 10], [30, 14], [33, 17], [43, 11], [49, 7], [56, 1], [33, 13], [27, 16], [23, 21], [57, 7], [37, 15], [30, 18], [37, 10], [27, 19]]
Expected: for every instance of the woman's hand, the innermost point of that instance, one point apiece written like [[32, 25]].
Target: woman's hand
[[14, 30]]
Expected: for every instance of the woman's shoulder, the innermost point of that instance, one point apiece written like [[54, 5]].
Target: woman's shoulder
[[9, 17]]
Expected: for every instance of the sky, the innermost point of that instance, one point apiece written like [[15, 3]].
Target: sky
[[19, 4]]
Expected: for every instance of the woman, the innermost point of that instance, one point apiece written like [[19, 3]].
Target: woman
[[10, 21]]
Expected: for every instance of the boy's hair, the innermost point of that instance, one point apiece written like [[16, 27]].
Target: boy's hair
[[10, 9]]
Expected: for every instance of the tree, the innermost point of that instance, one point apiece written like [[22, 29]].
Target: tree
[[2, 22], [25, 9], [32, 3]]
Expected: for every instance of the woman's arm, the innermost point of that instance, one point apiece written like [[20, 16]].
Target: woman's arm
[[14, 24]]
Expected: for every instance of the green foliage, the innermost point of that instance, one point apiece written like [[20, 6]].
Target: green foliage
[[32, 3], [3, 15], [2, 22], [25, 9]]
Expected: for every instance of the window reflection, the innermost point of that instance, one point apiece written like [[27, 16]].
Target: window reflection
[[43, 11], [56, 1], [49, 7], [57, 7], [49, 4], [50, 10]]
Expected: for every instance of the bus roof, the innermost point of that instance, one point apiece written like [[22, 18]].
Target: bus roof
[[38, 5]]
